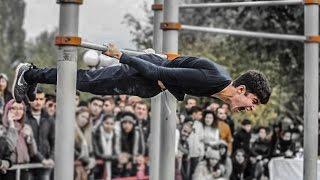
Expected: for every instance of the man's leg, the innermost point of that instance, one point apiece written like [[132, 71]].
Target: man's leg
[[112, 80]]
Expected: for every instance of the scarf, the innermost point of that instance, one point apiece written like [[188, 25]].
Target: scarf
[[107, 145]]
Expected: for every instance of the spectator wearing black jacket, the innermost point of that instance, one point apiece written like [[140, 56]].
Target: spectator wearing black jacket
[[143, 124], [43, 128], [261, 150], [242, 137], [285, 147], [106, 145]]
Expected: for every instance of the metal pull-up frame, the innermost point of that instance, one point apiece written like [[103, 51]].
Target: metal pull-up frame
[[163, 157]]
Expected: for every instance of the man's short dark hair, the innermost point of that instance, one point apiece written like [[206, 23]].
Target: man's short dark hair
[[195, 109], [50, 97], [245, 122], [256, 83], [98, 98], [39, 90]]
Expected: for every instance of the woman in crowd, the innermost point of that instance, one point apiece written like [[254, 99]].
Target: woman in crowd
[[5, 94], [211, 131], [209, 168], [129, 147], [106, 144], [239, 164], [129, 136], [14, 117], [83, 145], [225, 160]]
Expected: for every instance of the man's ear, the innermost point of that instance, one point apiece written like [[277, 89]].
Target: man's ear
[[241, 89]]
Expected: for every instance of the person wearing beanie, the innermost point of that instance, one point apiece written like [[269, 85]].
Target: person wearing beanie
[[209, 168], [243, 136]]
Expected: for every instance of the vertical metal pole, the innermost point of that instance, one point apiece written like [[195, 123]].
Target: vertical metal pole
[[169, 103], [156, 101], [311, 92], [18, 173], [66, 89]]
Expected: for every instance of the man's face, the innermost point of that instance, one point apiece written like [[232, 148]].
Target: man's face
[[95, 108], [3, 84], [221, 114], [39, 102], [185, 132], [247, 127], [243, 101], [141, 111], [197, 116], [108, 107], [51, 107], [191, 103]]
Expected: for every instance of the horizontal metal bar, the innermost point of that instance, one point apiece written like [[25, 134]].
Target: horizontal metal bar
[[27, 166], [245, 33], [242, 4], [103, 48]]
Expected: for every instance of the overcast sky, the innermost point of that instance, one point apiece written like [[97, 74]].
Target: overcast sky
[[100, 20]]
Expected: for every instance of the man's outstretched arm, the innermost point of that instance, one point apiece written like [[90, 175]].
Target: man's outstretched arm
[[154, 72]]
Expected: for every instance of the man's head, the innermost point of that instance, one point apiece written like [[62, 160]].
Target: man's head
[[95, 106], [190, 103], [141, 110], [50, 104], [246, 125], [39, 101], [196, 113], [186, 130], [108, 105], [252, 89], [262, 132]]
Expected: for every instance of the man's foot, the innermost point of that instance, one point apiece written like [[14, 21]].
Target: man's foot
[[20, 87]]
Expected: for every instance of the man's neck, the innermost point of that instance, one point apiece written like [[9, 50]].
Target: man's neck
[[35, 112], [226, 94]]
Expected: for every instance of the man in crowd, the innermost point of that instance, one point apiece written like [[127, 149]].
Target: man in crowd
[[108, 105], [143, 122], [43, 128], [50, 105], [196, 146], [242, 137], [95, 107]]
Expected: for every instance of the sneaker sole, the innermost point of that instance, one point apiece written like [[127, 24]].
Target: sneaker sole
[[15, 79]]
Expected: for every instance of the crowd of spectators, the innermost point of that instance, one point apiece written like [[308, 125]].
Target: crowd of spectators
[[112, 138]]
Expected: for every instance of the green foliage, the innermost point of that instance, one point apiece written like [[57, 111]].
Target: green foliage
[[281, 61], [12, 34]]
